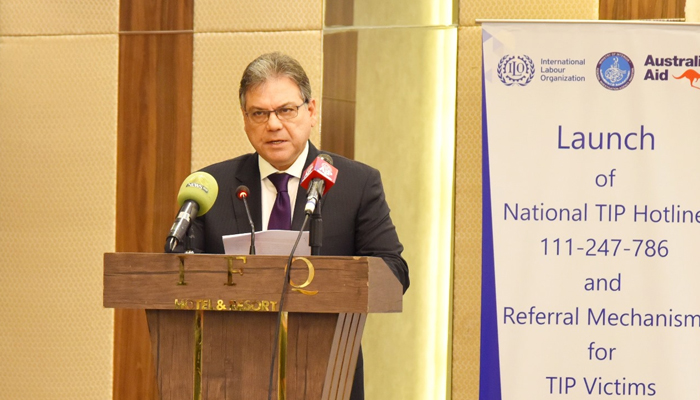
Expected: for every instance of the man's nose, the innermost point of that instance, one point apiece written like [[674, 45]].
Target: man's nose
[[273, 122]]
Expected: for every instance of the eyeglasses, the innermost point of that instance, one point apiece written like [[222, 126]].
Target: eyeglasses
[[283, 113]]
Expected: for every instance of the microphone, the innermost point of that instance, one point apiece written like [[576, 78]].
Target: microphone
[[318, 178], [242, 192], [197, 195]]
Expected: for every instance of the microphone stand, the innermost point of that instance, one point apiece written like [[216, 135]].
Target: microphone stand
[[252, 227], [316, 231], [186, 247], [285, 285], [189, 240]]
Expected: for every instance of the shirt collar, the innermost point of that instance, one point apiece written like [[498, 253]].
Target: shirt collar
[[295, 170]]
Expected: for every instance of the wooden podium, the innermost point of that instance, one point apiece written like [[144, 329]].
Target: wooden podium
[[212, 320]]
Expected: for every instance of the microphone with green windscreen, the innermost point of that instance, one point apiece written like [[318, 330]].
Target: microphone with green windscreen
[[197, 195]]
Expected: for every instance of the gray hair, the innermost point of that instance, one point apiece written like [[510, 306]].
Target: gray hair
[[273, 65]]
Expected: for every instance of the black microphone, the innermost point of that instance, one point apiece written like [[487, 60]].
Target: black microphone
[[318, 178], [197, 195], [242, 192]]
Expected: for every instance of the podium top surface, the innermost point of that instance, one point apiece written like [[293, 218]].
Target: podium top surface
[[319, 284]]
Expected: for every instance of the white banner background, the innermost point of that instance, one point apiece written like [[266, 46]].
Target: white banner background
[[528, 128]]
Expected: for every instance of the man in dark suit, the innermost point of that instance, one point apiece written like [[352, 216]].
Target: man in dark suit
[[279, 113]]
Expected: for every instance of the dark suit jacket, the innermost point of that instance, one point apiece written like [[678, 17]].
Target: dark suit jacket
[[356, 218]]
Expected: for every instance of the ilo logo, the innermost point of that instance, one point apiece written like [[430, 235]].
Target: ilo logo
[[516, 70], [615, 71]]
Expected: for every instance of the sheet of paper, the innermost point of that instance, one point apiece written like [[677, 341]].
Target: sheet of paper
[[268, 243]]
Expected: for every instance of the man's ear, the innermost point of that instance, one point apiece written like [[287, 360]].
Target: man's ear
[[313, 112]]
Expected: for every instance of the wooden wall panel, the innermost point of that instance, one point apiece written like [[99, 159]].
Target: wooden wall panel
[[156, 15], [641, 9], [155, 92], [339, 87], [339, 13], [153, 157]]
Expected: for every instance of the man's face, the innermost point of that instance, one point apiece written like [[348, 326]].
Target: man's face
[[279, 142]]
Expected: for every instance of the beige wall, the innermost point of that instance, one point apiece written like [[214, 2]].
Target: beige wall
[[692, 11], [58, 111], [405, 128]]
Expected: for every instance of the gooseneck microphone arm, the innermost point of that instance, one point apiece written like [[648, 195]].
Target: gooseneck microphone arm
[[317, 179], [315, 193], [316, 231], [285, 285], [252, 227], [242, 192], [313, 208], [189, 242]]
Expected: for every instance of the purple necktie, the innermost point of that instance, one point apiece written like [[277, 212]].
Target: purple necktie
[[281, 216]]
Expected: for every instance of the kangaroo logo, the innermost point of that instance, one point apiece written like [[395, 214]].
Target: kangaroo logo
[[692, 76]]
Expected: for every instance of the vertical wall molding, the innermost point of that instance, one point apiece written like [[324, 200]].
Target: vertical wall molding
[[153, 157], [339, 87], [641, 9]]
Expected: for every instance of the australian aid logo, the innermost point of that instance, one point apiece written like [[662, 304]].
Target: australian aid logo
[[681, 69]]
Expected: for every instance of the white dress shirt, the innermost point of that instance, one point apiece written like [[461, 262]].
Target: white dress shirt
[[269, 192]]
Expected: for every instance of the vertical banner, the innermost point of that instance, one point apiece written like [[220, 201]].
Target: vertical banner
[[591, 211]]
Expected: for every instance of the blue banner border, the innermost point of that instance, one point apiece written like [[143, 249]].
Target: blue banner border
[[490, 369]]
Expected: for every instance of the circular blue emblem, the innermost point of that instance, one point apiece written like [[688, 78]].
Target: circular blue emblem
[[516, 70], [615, 71]]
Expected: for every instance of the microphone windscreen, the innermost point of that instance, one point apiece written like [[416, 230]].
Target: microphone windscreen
[[321, 169], [242, 192], [201, 188]]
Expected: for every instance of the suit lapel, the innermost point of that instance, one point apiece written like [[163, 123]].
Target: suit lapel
[[300, 204], [249, 175]]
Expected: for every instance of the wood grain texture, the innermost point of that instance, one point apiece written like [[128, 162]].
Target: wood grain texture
[[641, 9], [236, 351], [309, 342], [342, 361], [236, 355], [154, 136], [339, 13], [339, 88], [340, 65], [153, 157], [134, 372], [338, 127], [156, 15], [172, 343], [152, 281], [237, 345]]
